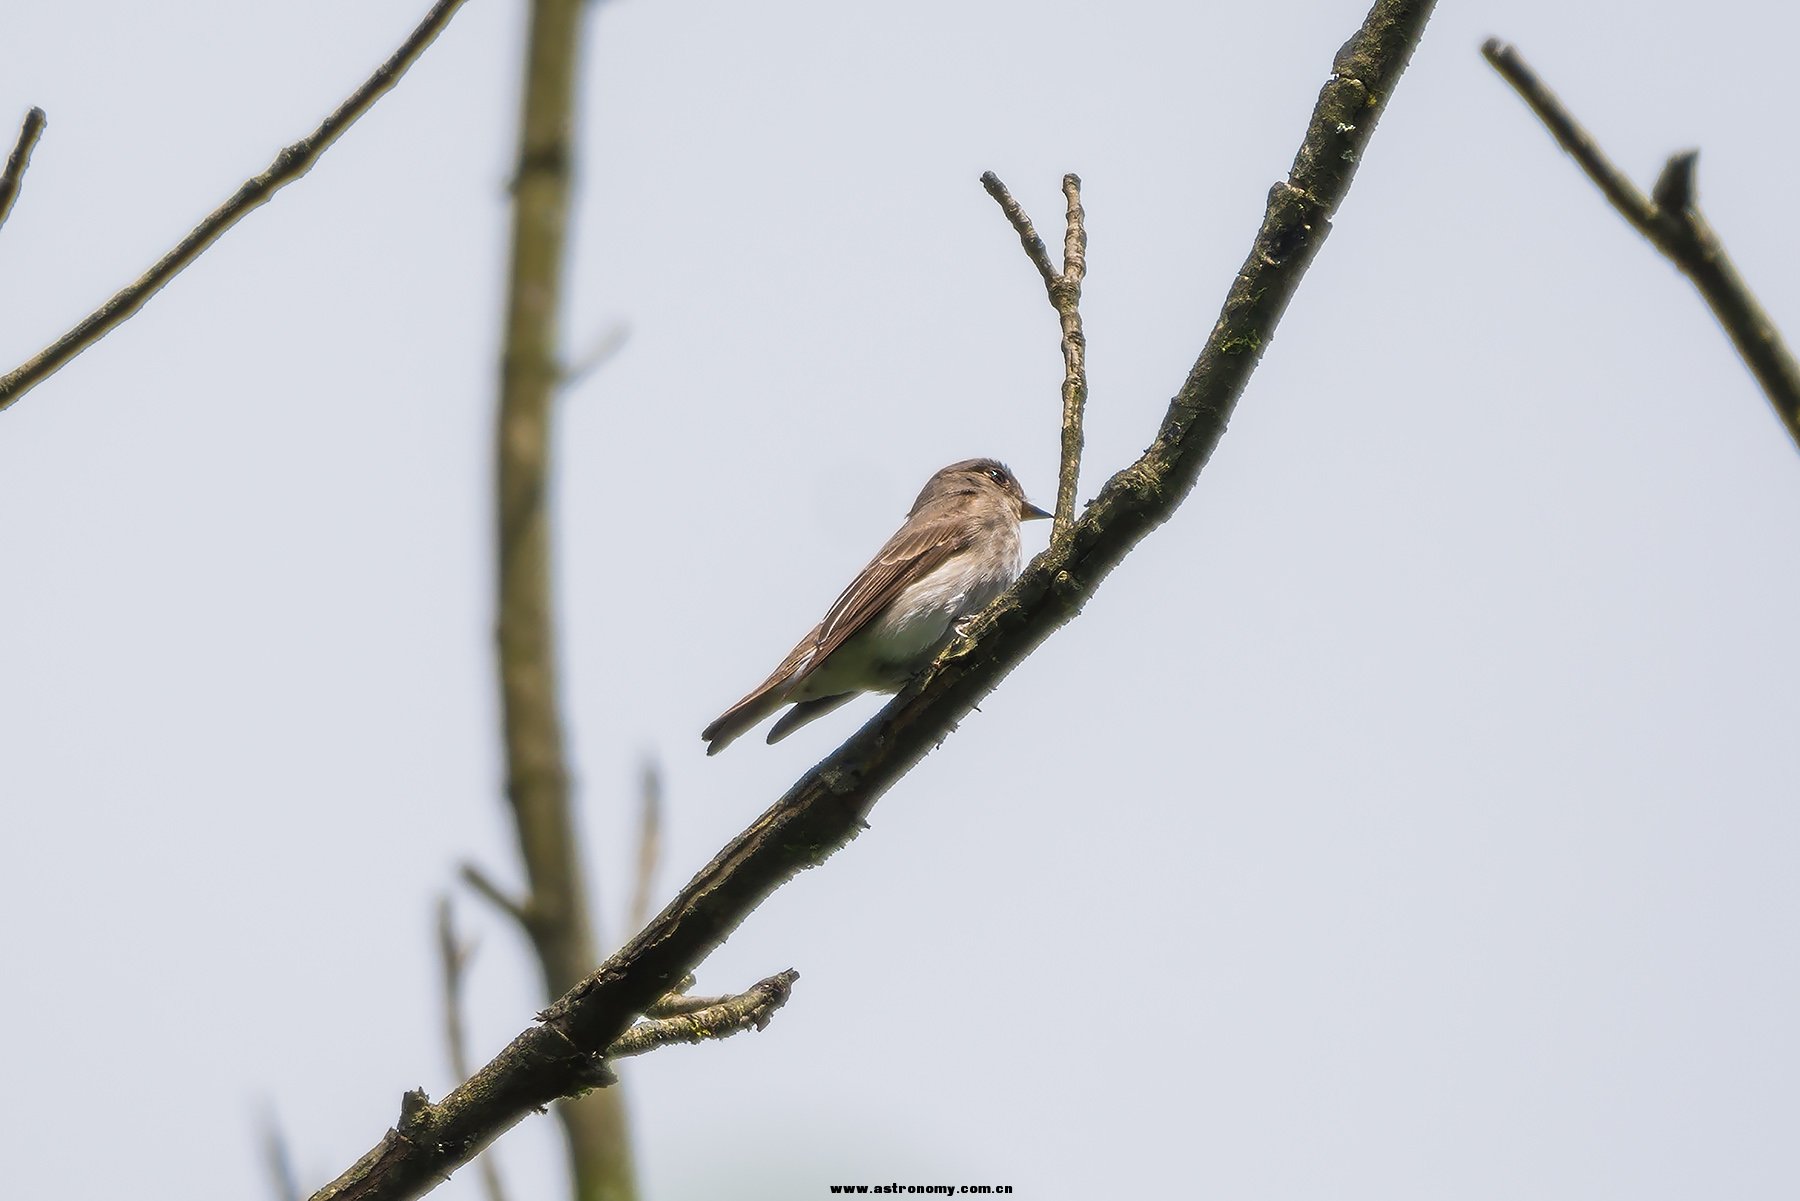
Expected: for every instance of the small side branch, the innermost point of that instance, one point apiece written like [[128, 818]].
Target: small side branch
[[453, 957], [1670, 219], [289, 165], [496, 896], [649, 846], [1064, 290], [1028, 237], [19, 159], [720, 1018]]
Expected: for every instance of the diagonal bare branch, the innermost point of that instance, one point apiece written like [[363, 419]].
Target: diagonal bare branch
[[20, 158], [825, 809], [293, 162], [1670, 219]]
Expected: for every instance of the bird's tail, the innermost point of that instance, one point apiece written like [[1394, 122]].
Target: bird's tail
[[768, 696], [806, 711], [741, 716]]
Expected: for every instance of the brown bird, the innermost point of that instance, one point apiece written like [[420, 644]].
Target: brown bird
[[957, 550]]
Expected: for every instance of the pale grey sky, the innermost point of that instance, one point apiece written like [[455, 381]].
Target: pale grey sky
[[1412, 817]]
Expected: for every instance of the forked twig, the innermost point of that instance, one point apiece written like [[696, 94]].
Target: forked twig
[[1064, 290]]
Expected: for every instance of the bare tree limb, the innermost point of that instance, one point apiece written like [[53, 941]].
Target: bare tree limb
[[1064, 290], [293, 162], [19, 159], [537, 777], [453, 957], [825, 809], [649, 846], [1671, 221], [723, 1017]]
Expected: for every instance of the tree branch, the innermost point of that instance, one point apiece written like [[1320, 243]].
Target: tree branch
[[1670, 219], [19, 159], [293, 162], [826, 807], [537, 784], [1064, 289]]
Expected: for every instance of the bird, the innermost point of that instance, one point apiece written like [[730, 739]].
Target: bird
[[956, 551]]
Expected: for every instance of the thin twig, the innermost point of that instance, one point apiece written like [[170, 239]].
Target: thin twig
[[749, 1010], [496, 896], [293, 162], [1580, 144], [284, 1183], [649, 846], [453, 957], [826, 808], [1671, 221], [19, 159], [1028, 237], [1064, 291]]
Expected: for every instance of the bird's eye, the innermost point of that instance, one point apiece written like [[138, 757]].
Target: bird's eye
[[997, 475]]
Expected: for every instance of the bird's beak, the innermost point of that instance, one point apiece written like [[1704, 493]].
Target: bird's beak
[[1030, 512]]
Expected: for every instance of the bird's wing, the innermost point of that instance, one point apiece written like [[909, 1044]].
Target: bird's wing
[[913, 553]]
